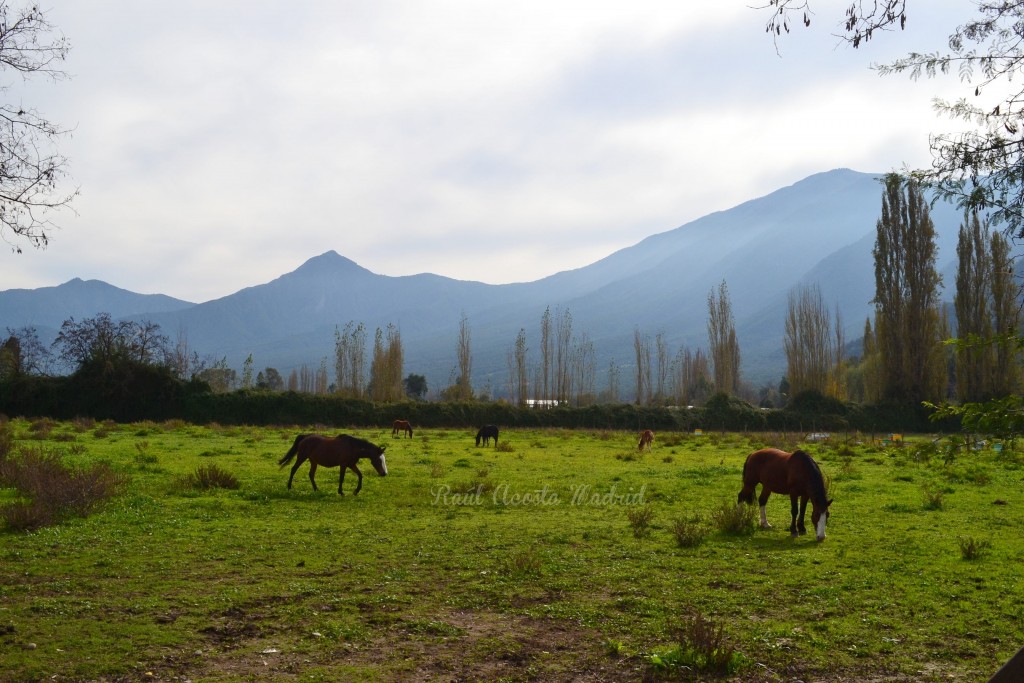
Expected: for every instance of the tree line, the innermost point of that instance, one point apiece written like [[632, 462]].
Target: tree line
[[904, 356]]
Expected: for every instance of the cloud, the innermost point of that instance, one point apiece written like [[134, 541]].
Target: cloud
[[218, 146]]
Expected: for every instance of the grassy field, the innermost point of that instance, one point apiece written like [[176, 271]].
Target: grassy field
[[562, 556]]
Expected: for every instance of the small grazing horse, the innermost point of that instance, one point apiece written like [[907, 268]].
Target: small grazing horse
[[342, 450], [401, 426], [795, 474], [486, 433], [646, 440]]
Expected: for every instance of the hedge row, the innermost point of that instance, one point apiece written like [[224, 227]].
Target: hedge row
[[140, 392]]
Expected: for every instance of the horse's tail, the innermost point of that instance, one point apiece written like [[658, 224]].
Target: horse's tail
[[291, 451], [746, 494]]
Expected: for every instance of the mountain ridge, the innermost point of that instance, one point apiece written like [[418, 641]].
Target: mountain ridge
[[817, 230]]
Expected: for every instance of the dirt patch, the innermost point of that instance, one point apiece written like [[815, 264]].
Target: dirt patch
[[449, 648]]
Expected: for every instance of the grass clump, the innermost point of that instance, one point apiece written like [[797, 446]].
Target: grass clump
[[688, 531], [211, 477], [933, 498], [974, 549], [731, 518], [702, 646], [523, 563], [640, 518]]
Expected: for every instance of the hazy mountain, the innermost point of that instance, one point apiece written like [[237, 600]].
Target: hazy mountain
[[819, 230], [47, 308]]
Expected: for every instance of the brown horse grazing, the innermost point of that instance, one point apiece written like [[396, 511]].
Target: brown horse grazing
[[342, 450], [401, 426], [646, 440], [794, 474], [486, 433]]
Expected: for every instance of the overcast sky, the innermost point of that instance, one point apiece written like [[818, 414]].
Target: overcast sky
[[218, 145]]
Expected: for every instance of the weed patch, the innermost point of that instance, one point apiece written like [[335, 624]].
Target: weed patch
[[50, 491]]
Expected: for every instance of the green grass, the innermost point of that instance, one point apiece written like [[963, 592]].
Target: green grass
[[473, 563]]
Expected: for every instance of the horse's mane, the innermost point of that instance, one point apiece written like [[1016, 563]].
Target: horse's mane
[[358, 442], [817, 480]]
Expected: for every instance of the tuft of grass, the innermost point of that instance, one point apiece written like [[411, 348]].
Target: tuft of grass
[[703, 647], [211, 477], [731, 518], [505, 447], [523, 563], [933, 498], [640, 518], [614, 648], [480, 484], [974, 549], [688, 531]]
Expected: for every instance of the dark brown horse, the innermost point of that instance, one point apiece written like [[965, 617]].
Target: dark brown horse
[[342, 450], [400, 426], [793, 474], [486, 433], [646, 440]]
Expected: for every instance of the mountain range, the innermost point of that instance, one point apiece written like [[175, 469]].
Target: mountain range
[[820, 230]]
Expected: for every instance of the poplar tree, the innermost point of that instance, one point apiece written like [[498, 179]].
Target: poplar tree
[[544, 385], [563, 355], [811, 359], [971, 302], [642, 349], [464, 354], [350, 359], [517, 370], [1006, 319], [722, 343], [906, 301]]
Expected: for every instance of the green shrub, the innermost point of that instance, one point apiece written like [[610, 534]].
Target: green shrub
[[688, 532], [640, 518], [736, 519], [50, 490]]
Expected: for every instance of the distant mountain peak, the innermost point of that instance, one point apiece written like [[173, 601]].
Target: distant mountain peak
[[329, 262]]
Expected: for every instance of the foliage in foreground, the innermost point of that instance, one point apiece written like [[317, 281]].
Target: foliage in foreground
[[49, 490]]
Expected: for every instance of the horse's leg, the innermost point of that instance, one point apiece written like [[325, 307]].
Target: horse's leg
[[793, 506], [800, 523], [762, 500], [359, 484], [298, 461], [312, 474]]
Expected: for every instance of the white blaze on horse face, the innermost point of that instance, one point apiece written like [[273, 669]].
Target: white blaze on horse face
[[821, 526], [383, 466]]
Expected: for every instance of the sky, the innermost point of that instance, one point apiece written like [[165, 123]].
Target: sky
[[218, 145]]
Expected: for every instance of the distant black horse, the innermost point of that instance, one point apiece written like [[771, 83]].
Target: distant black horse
[[486, 433]]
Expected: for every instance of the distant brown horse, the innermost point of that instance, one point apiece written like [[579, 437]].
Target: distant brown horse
[[794, 474], [342, 450], [401, 426], [646, 440]]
